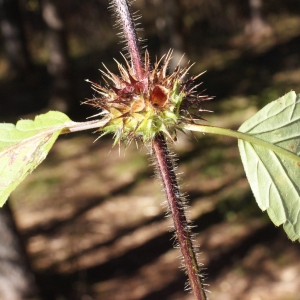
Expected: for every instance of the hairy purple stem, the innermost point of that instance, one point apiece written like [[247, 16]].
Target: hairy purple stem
[[166, 171], [164, 162], [121, 7]]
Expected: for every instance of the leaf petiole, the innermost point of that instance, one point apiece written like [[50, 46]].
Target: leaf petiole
[[242, 136], [71, 126]]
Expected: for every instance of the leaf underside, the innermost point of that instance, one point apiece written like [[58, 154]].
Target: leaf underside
[[275, 178]]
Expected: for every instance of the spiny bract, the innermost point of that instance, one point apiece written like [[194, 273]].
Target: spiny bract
[[142, 108]]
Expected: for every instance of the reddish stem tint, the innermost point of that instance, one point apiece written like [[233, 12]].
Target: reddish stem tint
[[125, 20], [166, 171], [164, 161]]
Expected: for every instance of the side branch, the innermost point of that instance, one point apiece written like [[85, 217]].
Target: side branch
[[166, 171]]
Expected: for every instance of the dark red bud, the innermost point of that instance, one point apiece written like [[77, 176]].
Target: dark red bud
[[159, 96]]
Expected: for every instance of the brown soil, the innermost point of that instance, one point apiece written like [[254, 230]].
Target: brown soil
[[95, 228], [92, 218]]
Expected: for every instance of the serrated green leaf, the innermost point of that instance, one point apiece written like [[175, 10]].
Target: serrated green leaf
[[24, 146], [274, 172]]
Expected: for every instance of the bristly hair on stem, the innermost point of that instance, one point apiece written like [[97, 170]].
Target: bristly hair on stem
[[177, 209], [149, 105], [121, 11]]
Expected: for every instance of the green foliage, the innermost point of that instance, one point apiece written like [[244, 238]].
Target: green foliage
[[274, 172], [269, 145], [24, 146]]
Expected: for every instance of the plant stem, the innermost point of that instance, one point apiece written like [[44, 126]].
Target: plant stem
[[164, 161], [125, 20], [165, 166]]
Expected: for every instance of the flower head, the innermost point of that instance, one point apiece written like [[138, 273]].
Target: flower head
[[158, 102]]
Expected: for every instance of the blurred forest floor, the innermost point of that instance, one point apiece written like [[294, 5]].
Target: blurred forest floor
[[91, 215]]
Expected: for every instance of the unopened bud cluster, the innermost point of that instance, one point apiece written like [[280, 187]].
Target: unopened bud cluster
[[142, 108]]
